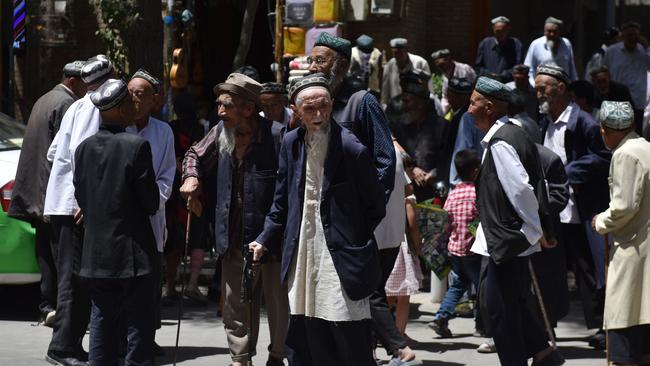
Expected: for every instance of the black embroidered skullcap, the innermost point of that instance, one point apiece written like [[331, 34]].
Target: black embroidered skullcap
[[365, 43], [143, 74], [109, 94], [553, 20], [460, 85], [399, 43], [273, 88], [308, 81], [419, 76], [96, 68], [416, 83], [493, 89], [521, 69], [338, 44], [73, 69], [443, 53], [241, 85], [554, 71], [500, 19]]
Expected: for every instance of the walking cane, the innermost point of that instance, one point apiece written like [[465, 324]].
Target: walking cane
[[540, 300], [247, 296], [605, 288], [180, 305]]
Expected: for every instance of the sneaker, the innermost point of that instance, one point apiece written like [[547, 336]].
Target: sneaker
[[193, 292], [48, 319], [440, 327], [487, 347]]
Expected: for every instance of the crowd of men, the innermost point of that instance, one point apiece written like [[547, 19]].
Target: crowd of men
[[290, 185]]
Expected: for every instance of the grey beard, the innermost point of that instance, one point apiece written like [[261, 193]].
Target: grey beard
[[227, 140], [545, 107], [335, 80], [550, 44]]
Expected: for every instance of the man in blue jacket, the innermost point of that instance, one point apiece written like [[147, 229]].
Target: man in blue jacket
[[573, 135], [328, 201]]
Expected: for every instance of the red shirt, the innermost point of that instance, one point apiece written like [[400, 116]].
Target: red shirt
[[461, 207]]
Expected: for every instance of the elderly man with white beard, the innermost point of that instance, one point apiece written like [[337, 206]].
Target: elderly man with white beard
[[551, 48], [236, 163]]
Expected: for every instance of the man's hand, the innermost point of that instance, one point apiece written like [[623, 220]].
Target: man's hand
[[548, 243], [190, 190], [420, 176], [257, 249], [78, 217]]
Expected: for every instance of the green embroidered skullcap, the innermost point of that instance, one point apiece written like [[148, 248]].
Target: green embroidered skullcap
[[338, 44], [616, 115], [73, 69], [443, 53], [493, 89], [553, 20], [553, 71], [312, 80], [365, 43], [399, 43], [500, 19]]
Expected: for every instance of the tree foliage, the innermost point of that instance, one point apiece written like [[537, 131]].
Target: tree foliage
[[114, 18]]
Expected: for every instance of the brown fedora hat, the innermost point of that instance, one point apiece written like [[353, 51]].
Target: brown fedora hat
[[241, 85]]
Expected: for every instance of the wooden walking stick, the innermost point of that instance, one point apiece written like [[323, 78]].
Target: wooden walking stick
[[180, 305], [540, 300], [605, 288]]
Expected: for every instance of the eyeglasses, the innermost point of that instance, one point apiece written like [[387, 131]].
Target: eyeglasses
[[319, 60]]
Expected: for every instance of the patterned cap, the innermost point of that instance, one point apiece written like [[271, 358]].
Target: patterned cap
[[96, 68], [273, 88], [416, 83], [73, 69], [399, 43], [553, 20], [500, 19], [338, 44], [143, 74], [443, 53], [493, 89], [460, 85], [521, 69], [308, 81], [554, 71], [109, 94], [365, 43], [616, 115]]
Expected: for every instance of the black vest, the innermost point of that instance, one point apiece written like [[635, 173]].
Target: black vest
[[501, 223]]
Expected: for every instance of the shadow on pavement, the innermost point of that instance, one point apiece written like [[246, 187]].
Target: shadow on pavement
[[444, 346], [189, 353], [19, 302], [441, 363]]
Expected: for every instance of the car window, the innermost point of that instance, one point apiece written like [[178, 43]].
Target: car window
[[11, 133]]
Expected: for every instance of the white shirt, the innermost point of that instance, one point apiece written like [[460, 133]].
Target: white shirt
[[161, 139], [79, 122], [315, 288], [390, 231], [390, 85], [554, 140], [515, 183], [539, 53]]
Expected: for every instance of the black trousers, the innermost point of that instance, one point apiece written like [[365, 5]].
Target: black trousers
[[46, 264], [517, 334], [112, 299], [73, 304], [383, 322], [579, 254], [318, 342]]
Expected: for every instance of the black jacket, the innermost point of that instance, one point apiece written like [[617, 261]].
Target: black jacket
[[115, 187]]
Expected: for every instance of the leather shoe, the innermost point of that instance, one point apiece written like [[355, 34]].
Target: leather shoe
[[63, 360], [597, 341]]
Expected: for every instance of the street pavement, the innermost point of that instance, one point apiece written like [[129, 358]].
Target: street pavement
[[203, 340]]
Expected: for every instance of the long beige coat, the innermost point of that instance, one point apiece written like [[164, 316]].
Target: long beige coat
[[627, 299]]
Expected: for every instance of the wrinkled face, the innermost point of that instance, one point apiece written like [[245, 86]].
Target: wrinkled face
[[445, 65], [322, 60], [401, 56], [552, 32], [143, 97], [631, 37], [548, 89], [501, 31], [273, 106], [601, 82], [480, 109], [232, 109], [314, 107]]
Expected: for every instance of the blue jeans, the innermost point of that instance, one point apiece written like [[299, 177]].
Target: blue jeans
[[468, 271]]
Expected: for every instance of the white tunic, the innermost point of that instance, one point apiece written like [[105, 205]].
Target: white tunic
[[314, 286], [161, 139], [79, 122]]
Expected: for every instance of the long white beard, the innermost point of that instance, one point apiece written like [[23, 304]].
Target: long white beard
[[545, 107], [550, 44], [227, 140]]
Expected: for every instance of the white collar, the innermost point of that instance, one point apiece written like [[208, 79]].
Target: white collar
[[566, 114], [69, 90], [495, 127]]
